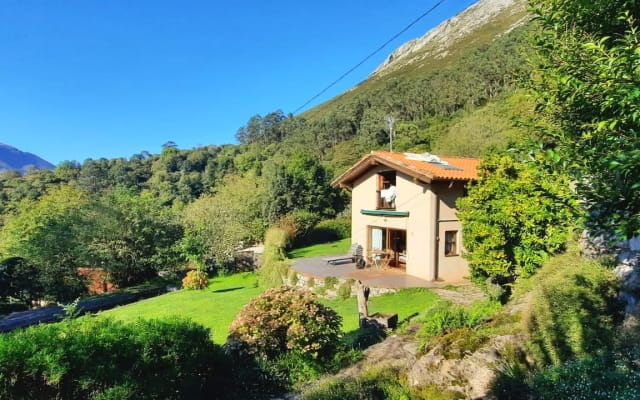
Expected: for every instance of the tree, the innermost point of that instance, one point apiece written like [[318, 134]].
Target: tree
[[45, 233], [590, 88], [93, 176], [215, 225], [514, 217], [131, 236], [300, 183], [17, 280]]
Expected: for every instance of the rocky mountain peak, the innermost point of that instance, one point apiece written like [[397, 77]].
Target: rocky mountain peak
[[437, 43]]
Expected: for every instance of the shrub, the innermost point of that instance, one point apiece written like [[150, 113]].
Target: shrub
[[440, 318], [330, 230], [299, 223], [512, 375], [292, 368], [330, 282], [344, 290], [100, 358], [573, 310], [516, 215], [605, 375], [293, 277], [285, 319], [376, 383], [195, 280], [278, 239]]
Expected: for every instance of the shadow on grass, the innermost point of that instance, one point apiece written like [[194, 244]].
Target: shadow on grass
[[362, 338], [228, 289], [409, 317]]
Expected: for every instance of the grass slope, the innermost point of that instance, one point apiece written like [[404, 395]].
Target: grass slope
[[215, 307]]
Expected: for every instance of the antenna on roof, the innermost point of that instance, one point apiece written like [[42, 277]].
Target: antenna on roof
[[390, 122]]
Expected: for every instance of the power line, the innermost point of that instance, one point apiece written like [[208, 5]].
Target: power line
[[376, 51]]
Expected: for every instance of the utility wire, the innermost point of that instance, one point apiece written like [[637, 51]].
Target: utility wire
[[376, 51]]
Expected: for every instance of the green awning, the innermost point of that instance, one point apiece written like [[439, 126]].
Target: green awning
[[385, 213]]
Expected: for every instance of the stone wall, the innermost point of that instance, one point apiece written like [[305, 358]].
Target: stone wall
[[317, 285]]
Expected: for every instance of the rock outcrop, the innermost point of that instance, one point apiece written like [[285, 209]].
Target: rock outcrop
[[470, 376], [628, 271], [627, 258]]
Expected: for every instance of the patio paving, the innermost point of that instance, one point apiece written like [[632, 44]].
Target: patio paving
[[392, 278]]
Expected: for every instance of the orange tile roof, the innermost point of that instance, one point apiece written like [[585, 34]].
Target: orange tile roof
[[415, 165]]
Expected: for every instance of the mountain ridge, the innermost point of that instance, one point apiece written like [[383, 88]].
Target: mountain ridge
[[437, 42], [12, 158]]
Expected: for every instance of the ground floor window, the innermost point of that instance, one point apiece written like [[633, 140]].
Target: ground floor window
[[393, 242], [450, 243]]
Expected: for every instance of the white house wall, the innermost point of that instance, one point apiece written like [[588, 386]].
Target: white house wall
[[415, 198], [430, 214]]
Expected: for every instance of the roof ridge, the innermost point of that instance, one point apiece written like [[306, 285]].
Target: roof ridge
[[424, 152]]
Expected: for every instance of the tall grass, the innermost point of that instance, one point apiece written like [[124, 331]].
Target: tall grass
[[275, 266], [573, 312], [445, 317], [574, 346]]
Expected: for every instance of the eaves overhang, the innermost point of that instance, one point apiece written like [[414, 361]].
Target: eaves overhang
[[347, 179]]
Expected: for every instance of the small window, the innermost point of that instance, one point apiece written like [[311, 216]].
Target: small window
[[451, 243], [386, 190]]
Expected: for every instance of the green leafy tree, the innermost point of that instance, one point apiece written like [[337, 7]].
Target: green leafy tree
[[215, 225], [590, 87], [300, 183], [99, 358], [514, 217], [18, 280], [132, 236], [93, 176], [45, 233]]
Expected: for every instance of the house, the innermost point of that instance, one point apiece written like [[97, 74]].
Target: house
[[404, 211]]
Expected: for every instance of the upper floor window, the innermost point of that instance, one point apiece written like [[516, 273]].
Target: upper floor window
[[386, 190]]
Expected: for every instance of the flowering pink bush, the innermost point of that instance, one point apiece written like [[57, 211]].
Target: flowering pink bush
[[285, 319], [195, 280]]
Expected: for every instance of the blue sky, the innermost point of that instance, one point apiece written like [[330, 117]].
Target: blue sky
[[110, 78]]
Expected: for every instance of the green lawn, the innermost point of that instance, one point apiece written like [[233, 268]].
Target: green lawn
[[322, 249], [406, 303], [215, 307]]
